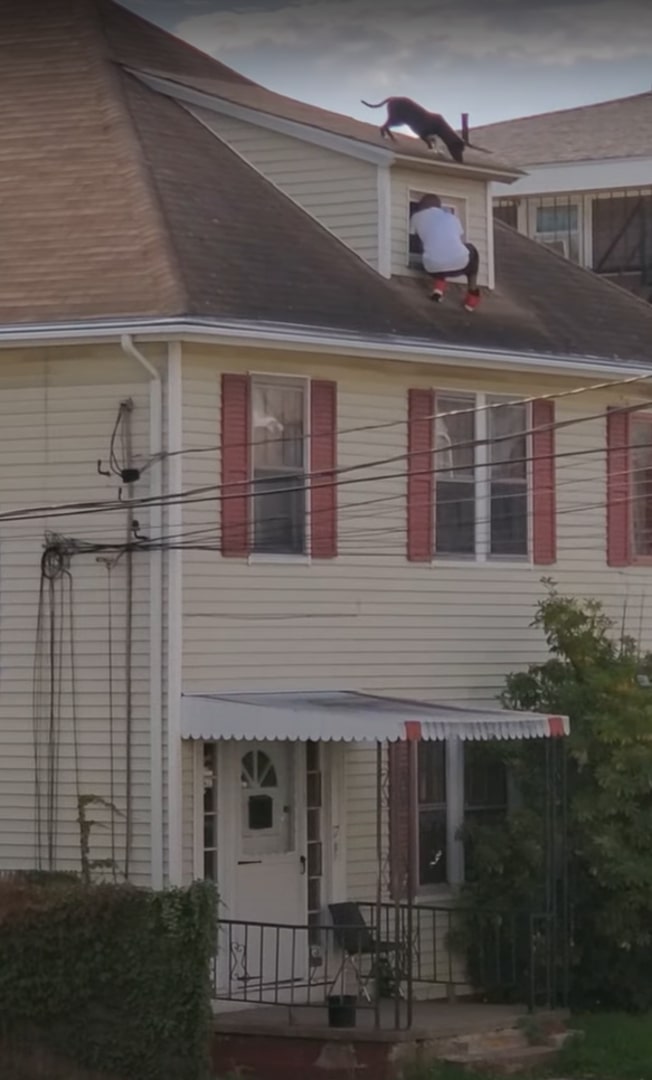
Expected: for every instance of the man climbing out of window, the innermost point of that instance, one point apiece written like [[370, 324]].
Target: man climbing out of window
[[444, 252]]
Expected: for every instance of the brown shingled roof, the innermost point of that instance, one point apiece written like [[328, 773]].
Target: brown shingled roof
[[135, 41], [80, 231], [260, 99], [245, 250], [117, 202], [621, 128]]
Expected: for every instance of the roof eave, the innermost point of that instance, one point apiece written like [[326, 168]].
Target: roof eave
[[474, 172], [346, 144], [190, 97], [352, 344]]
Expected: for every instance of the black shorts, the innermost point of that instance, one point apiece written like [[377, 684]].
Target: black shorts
[[470, 268]]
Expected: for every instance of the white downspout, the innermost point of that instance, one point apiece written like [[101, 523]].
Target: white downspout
[[155, 610], [175, 618]]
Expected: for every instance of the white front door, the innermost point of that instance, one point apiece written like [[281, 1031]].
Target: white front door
[[265, 813]]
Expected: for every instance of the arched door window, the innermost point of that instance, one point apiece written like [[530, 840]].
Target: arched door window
[[266, 803]]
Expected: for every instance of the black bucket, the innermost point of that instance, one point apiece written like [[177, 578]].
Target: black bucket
[[342, 1011]]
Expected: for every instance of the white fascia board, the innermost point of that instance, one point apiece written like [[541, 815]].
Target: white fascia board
[[468, 172], [613, 175], [305, 132], [384, 210], [375, 155], [308, 339]]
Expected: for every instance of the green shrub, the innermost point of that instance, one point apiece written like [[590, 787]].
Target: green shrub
[[593, 676], [113, 978]]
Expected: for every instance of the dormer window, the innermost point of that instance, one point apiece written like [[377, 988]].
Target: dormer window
[[452, 206]]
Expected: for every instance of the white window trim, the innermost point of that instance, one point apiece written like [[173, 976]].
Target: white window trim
[[455, 794], [560, 236], [482, 556], [262, 557], [457, 203], [454, 823]]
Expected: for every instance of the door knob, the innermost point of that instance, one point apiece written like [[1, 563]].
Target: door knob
[[302, 863]]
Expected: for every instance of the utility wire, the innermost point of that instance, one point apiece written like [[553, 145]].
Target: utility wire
[[487, 407], [197, 494]]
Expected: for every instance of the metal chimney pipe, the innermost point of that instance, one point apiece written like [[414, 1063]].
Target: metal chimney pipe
[[465, 127]]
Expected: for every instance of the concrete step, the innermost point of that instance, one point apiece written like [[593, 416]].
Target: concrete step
[[505, 1062], [505, 1052], [481, 1042]]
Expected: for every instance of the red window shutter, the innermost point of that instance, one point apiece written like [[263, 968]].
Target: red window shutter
[[235, 444], [618, 488], [323, 465], [402, 820], [420, 511], [544, 524]]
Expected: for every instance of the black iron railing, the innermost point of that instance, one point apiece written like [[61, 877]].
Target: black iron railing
[[399, 954], [320, 967]]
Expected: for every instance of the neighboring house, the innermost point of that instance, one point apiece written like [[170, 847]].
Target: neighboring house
[[587, 193], [193, 266]]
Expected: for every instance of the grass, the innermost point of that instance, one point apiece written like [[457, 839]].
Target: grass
[[612, 1047]]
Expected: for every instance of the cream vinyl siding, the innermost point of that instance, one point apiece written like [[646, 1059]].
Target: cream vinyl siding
[[58, 408], [339, 191], [468, 196], [449, 631]]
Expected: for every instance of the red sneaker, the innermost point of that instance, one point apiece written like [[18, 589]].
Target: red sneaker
[[471, 300], [438, 289]]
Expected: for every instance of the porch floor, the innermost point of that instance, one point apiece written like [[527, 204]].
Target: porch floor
[[431, 1020]]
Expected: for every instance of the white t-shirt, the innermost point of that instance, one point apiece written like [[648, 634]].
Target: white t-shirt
[[440, 233]]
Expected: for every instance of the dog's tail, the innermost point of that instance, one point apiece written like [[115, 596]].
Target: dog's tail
[[378, 106]]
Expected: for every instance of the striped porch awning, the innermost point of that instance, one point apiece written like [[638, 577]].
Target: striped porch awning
[[349, 716]]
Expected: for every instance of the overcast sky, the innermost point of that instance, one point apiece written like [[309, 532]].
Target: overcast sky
[[494, 59]]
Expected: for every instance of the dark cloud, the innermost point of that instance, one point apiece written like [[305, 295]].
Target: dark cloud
[[467, 53], [555, 34]]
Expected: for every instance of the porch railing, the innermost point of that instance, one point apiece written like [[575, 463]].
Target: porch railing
[[410, 953]]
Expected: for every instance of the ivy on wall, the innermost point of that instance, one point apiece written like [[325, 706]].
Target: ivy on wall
[[113, 978]]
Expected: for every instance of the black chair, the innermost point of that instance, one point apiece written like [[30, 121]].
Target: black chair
[[358, 943]]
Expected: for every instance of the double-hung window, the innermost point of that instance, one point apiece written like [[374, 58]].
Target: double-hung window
[[481, 476], [457, 785], [279, 465], [432, 813], [556, 224]]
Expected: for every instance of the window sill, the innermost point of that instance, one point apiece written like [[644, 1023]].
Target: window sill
[[506, 561], [282, 560], [435, 895]]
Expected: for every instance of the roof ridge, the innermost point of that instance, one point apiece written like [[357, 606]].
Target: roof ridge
[[559, 112], [113, 79], [154, 193], [575, 267], [319, 119], [174, 39]]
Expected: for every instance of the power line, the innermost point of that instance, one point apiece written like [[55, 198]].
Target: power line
[[194, 495], [487, 407]]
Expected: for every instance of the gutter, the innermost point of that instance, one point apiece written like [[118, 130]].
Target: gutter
[[303, 339], [155, 610], [465, 171]]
